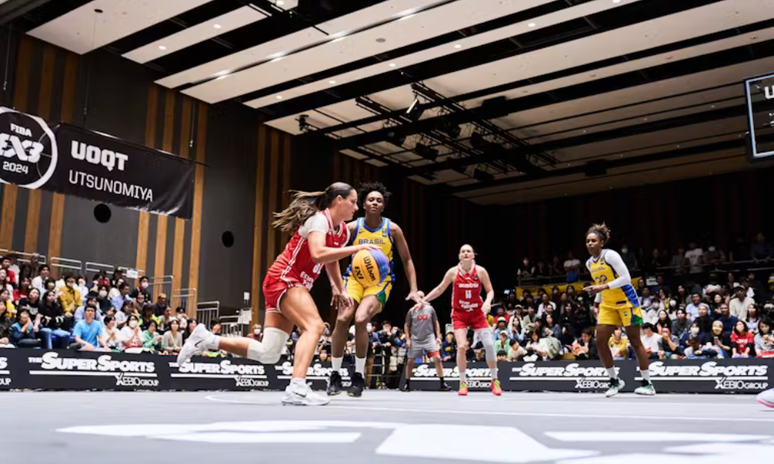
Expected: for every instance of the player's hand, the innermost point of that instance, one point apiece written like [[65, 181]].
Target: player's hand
[[414, 296], [408, 343], [594, 289], [487, 308], [420, 304], [366, 246], [345, 301]]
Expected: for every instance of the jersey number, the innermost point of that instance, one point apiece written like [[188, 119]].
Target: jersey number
[[601, 279], [468, 294], [318, 268]]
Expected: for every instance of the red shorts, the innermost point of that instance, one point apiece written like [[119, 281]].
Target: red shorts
[[463, 319], [274, 289]]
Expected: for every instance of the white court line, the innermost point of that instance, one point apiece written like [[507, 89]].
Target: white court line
[[499, 413], [602, 399], [92, 374]]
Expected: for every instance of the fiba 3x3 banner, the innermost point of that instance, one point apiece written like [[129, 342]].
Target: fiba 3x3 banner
[[74, 161]]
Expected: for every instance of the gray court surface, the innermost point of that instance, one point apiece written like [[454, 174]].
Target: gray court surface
[[381, 427]]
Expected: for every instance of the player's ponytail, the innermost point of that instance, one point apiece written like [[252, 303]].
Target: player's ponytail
[[305, 204], [601, 231]]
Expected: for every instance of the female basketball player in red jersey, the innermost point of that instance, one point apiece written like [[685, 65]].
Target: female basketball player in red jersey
[[469, 310], [319, 239]]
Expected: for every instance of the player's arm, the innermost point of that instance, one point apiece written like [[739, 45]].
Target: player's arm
[[487, 283], [405, 257], [448, 279], [616, 262], [322, 254]]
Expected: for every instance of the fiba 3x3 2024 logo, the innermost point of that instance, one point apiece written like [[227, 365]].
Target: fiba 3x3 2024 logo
[[28, 149]]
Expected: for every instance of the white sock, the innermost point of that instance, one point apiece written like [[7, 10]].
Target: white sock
[[462, 376], [645, 375], [360, 366], [212, 343], [612, 373], [494, 373], [298, 381], [336, 364]]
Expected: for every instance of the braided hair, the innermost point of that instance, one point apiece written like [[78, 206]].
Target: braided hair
[[369, 187]]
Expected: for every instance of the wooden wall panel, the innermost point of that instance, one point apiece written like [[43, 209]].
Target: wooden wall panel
[[273, 195], [159, 261], [196, 221], [259, 221], [177, 254], [143, 226]]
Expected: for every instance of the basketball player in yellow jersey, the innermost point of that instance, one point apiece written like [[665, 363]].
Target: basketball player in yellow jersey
[[376, 230], [617, 305]]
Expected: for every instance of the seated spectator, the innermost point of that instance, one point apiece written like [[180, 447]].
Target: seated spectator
[[69, 297], [695, 256], [80, 285], [151, 338], [741, 303], [142, 289], [542, 270], [663, 321], [54, 317], [651, 341], [728, 320], [572, 268], [5, 282], [516, 352], [5, 265], [140, 303], [89, 334], [50, 285], [704, 319], [122, 297], [670, 345], [721, 339], [760, 250], [147, 315], [764, 341], [172, 341], [693, 308], [31, 302], [714, 256], [556, 268], [103, 300], [182, 317], [127, 310], [742, 341], [39, 281], [6, 321], [550, 325], [80, 313], [628, 257], [526, 270], [118, 277], [753, 319], [112, 335], [501, 356], [131, 335], [503, 343], [190, 325], [161, 305], [50, 332], [694, 350], [166, 320], [23, 290], [534, 349], [528, 320], [449, 348], [24, 332], [5, 296], [516, 332], [681, 324], [586, 347], [546, 305], [619, 345]]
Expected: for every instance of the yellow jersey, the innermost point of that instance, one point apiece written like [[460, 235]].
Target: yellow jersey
[[603, 271], [380, 237]]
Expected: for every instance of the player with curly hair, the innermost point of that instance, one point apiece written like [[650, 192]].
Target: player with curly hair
[[373, 229], [616, 305]]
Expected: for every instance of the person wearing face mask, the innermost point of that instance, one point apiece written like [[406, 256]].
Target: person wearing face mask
[[69, 296], [714, 256], [131, 336], [82, 289], [50, 285], [256, 333], [143, 288]]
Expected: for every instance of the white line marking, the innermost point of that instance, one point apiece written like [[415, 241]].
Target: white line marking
[[650, 436], [216, 376], [707, 378], [92, 374], [5, 372], [236, 437], [559, 378]]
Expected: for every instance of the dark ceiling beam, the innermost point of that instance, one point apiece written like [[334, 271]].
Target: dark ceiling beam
[[13, 9]]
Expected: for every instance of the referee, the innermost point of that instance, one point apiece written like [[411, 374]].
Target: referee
[[423, 334]]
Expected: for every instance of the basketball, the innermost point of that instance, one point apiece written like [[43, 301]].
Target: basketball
[[370, 267]]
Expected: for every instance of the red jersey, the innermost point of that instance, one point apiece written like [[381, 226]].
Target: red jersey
[[466, 295], [295, 265]]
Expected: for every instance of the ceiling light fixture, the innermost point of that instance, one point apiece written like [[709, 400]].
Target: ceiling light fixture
[[392, 65], [217, 26], [331, 82], [338, 40], [276, 59], [458, 46], [406, 17], [531, 24], [616, 1], [280, 2], [279, 97], [161, 47]]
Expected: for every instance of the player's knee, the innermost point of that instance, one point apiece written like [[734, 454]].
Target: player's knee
[[314, 327], [361, 319], [343, 318], [463, 347]]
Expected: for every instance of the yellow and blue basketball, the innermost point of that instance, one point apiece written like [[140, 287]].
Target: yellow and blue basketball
[[370, 267]]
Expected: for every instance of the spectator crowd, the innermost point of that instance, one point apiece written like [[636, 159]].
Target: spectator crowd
[[104, 314]]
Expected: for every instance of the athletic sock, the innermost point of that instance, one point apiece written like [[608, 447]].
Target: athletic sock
[[462, 376], [360, 365], [442, 382], [645, 375], [298, 381], [408, 382], [336, 364], [212, 343], [612, 373], [494, 373]]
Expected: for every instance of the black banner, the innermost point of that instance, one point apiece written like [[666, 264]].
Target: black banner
[[74, 161], [71, 370], [760, 113]]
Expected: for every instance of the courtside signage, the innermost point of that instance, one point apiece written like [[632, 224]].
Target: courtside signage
[[760, 112]]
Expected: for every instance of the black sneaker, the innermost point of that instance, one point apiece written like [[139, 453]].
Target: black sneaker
[[405, 388], [334, 384], [444, 387], [358, 384]]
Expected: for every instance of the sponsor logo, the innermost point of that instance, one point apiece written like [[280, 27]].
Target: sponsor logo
[[98, 156], [570, 370], [708, 369], [428, 371], [5, 382], [123, 380], [52, 361], [3, 363], [23, 142], [251, 382], [769, 91], [224, 367], [467, 285], [369, 267], [588, 384], [731, 384], [316, 370]]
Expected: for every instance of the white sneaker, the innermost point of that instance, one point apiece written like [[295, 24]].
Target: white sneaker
[[766, 398], [195, 345], [615, 386], [302, 395]]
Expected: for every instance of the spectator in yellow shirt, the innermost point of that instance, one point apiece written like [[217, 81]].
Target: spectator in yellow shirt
[[69, 296], [619, 346]]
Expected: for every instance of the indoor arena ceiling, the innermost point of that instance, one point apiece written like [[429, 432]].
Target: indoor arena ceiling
[[498, 101]]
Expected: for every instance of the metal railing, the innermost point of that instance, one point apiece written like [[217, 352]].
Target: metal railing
[[185, 297], [58, 263], [161, 284], [22, 256], [206, 311]]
